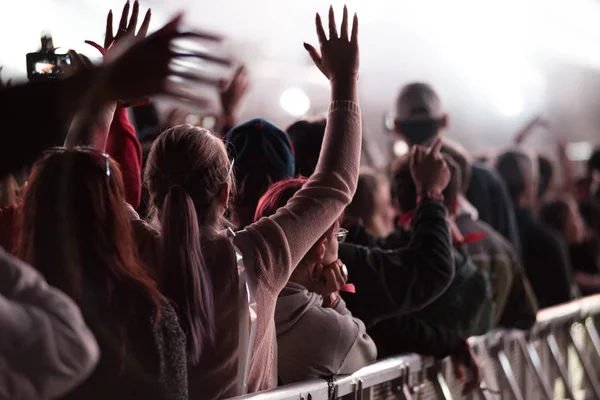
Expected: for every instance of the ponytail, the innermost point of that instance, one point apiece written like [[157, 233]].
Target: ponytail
[[185, 279]]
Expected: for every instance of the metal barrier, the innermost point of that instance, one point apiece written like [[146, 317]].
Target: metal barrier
[[558, 359]]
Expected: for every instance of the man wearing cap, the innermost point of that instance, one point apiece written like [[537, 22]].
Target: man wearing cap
[[420, 118]]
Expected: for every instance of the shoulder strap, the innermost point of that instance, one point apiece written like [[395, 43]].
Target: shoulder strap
[[248, 314]]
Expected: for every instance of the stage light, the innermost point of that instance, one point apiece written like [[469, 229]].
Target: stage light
[[295, 102]]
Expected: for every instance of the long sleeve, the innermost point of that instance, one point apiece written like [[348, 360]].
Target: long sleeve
[[391, 283], [324, 342], [124, 146], [45, 347], [408, 334], [282, 240], [363, 350]]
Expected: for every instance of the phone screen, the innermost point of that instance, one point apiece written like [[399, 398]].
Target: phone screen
[[45, 65]]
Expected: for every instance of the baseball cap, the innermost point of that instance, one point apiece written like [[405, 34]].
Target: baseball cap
[[257, 144], [418, 102]]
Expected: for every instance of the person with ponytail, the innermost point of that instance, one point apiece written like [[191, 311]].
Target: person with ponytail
[[190, 180]]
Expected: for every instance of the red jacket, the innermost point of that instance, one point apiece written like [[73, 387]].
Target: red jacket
[[124, 146]]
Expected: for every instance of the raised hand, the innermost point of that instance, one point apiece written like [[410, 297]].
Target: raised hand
[[428, 169], [126, 28], [328, 279], [233, 92], [78, 63], [143, 68], [339, 59]]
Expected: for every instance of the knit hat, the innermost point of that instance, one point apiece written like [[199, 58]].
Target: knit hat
[[418, 102], [258, 144]]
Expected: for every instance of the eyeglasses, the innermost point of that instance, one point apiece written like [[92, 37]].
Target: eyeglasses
[[82, 149], [341, 235]]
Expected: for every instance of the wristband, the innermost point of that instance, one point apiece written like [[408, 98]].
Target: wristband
[[430, 195]]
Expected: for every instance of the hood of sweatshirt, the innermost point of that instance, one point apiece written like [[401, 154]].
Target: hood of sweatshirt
[[293, 302]]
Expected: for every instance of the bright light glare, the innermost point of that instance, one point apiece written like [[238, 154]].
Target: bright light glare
[[579, 151], [400, 148], [295, 102]]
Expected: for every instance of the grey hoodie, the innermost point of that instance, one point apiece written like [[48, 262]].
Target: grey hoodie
[[314, 341]]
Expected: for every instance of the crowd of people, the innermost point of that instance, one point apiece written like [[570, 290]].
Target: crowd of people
[[226, 262]]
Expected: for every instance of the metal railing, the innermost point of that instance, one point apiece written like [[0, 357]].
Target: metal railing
[[559, 358]]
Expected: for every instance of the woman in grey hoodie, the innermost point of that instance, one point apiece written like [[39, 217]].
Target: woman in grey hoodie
[[316, 334]]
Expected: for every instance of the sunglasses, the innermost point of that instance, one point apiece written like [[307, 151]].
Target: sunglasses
[[82, 149], [341, 235]]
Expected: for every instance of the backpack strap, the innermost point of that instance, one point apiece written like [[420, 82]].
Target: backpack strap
[[248, 312]]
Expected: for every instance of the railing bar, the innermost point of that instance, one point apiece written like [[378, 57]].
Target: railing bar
[[592, 332], [587, 368], [535, 365], [508, 374], [441, 387], [560, 363]]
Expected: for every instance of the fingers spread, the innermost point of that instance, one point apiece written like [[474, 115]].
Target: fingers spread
[[354, 37], [145, 24], [108, 39], [320, 31], [313, 53], [344, 28], [124, 18], [134, 18], [332, 27], [97, 46]]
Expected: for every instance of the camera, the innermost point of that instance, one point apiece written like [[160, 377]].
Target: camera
[[46, 64]]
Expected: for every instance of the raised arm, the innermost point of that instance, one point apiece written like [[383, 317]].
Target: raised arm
[[45, 347], [284, 238]]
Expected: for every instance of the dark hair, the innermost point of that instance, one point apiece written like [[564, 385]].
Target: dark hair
[[363, 202], [463, 161], [593, 163], [278, 195], [405, 191], [76, 230], [263, 155], [307, 137], [185, 172], [555, 213], [517, 170], [420, 132], [546, 174]]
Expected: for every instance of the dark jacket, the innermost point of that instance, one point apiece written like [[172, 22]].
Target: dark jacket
[[409, 334], [466, 306], [545, 259], [487, 192], [439, 329], [514, 300], [396, 282]]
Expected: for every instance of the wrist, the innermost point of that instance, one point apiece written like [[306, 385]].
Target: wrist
[[431, 194], [344, 88]]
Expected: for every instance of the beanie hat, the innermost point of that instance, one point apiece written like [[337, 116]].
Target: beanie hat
[[258, 145]]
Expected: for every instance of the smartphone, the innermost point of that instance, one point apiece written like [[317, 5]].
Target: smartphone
[[45, 65]]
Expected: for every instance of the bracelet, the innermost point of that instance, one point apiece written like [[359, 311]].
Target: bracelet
[[430, 195]]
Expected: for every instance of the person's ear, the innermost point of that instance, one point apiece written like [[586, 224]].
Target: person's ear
[[224, 194], [444, 122]]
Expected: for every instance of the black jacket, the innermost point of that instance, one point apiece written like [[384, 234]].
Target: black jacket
[[394, 282], [545, 259], [487, 192]]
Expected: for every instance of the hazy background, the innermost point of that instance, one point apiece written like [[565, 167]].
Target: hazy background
[[495, 63]]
